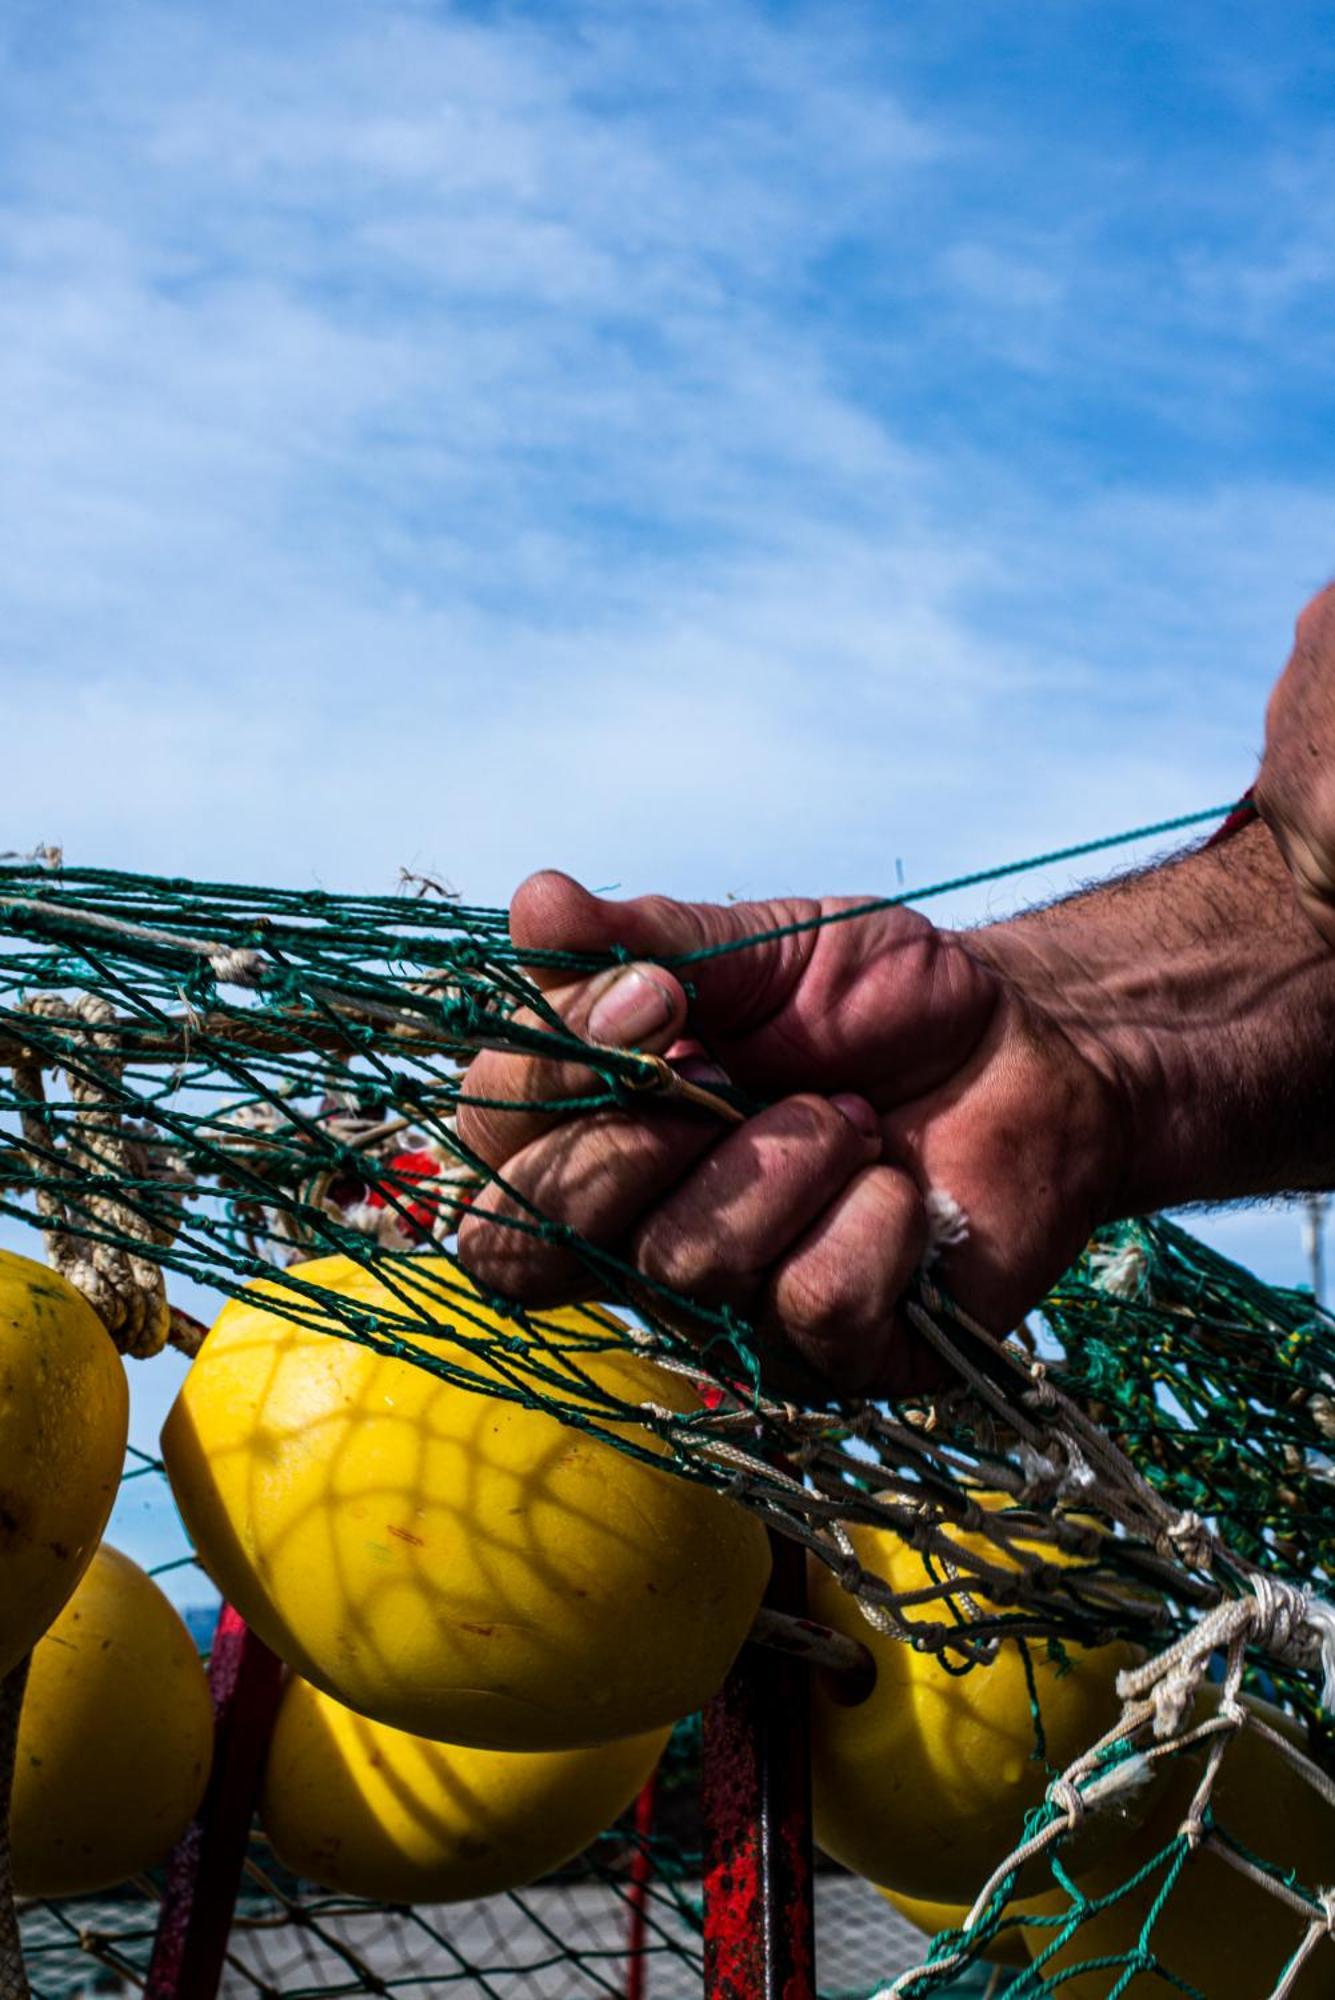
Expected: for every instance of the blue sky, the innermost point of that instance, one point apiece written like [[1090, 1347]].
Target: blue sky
[[709, 447]]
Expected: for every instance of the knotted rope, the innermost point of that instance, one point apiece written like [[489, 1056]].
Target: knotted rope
[[1161, 1718], [127, 1290]]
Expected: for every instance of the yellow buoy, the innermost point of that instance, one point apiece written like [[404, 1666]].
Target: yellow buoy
[[115, 1737], [1007, 1948], [372, 1811], [445, 1561], [64, 1410], [923, 1787], [1219, 1933]]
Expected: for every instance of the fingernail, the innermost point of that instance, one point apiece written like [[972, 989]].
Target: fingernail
[[699, 1069], [859, 1114], [631, 1009]]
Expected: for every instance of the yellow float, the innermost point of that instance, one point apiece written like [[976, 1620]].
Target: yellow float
[[1007, 1948], [1219, 1934], [371, 1811], [63, 1416], [445, 1561], [115, 1737], [923, 1787]]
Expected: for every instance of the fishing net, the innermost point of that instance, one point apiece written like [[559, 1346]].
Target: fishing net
[[204, 1085], [631, 1900]]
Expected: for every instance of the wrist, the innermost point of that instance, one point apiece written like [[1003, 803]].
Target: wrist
[[1200, 996], [1055, 967]]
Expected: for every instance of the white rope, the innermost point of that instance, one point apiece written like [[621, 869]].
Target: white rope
[[126, 1289], [233, 965], [1322, 1926], [947, 1225]]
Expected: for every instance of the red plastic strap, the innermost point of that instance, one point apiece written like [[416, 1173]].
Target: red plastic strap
[[1242, 815]]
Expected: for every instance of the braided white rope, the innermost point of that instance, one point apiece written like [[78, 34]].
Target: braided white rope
[[126, 1290], [1158, 1721], [1073, 1460], [230, 964]]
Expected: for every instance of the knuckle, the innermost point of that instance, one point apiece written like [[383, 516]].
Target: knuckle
[[843, 1352], [696, 1263], [509, 1260], [825, 1301], [677, 1258], [815, 1124], [477, 1131], [480, 1244], [482, 1128]]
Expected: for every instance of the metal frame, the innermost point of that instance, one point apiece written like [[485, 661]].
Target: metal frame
[[756, 1798], [204, 1872], [756, 1780]]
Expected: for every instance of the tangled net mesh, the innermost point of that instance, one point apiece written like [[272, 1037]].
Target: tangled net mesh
[[217, 1083]]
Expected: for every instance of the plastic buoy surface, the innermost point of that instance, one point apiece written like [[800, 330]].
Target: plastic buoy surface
[[64, 1412], [115, 1737], [923, 1787], [446, 1561], [1007, 1948], [372, 1811]]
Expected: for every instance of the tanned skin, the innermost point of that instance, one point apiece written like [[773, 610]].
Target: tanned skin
[[1163, 1039], [1296, 788]]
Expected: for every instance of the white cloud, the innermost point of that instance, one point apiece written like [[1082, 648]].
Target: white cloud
[[480, 440]]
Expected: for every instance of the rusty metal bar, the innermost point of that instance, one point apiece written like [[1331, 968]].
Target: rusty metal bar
[[204, 1871], [756, 1795]]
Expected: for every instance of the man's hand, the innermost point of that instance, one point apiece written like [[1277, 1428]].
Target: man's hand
[[1161, 1040], [1295, 792], [908, 1079]]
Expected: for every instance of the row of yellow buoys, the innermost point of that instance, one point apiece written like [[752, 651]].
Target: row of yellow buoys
[[116, 1730], [115, 1738], [492, 1619], [64, 1412], [446, 1561]]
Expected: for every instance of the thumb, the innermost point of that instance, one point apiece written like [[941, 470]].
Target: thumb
[[744, 979]]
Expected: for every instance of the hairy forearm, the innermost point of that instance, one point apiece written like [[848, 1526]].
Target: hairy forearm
[[1206, 998]]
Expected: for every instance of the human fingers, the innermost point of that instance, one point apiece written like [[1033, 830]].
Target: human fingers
[[734, 1202], [592, 1180], [840, 994], [715, 1237], [508, 1100], [745, 971], [834, 1299], [640, 1004]]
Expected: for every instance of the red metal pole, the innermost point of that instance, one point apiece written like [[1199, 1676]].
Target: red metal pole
[[756, 1785], [204, 1871], [641, 1872]]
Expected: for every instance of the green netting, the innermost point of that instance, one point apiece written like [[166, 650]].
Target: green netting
[[216, 1083]]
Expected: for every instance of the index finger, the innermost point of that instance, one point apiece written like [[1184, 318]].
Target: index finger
[[509, 1099]]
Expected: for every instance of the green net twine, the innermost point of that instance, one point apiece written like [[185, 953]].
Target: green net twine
[[216, 1083]]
